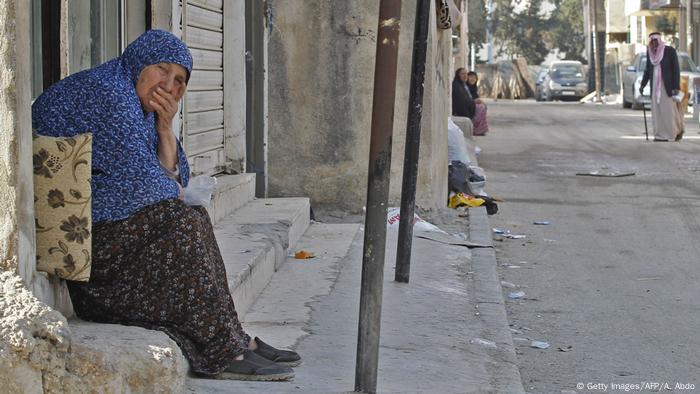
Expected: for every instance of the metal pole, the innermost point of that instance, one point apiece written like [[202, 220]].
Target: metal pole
[[689, 27], [377, 196], [489, 31], [596, 52], [410, 159], [588, 20], [472, 53]]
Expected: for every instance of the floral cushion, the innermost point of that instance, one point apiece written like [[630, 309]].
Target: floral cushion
[[62, 205]]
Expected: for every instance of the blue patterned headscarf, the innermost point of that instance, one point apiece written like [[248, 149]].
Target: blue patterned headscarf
[[126, 172]]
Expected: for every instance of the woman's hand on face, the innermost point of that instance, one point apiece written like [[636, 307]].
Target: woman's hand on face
[[165, 105]]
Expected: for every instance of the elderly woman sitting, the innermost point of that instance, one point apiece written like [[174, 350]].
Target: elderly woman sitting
[[481, 126], [156, 263]]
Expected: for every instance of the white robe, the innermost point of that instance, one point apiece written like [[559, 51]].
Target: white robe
[[666, 116]]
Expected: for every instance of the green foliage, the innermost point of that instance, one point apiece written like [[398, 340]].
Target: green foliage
[[566, 33], [477, 23], [521, 33], [530, 33]]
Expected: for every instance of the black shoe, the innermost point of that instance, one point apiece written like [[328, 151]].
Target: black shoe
[[283, 357], [256, 368]]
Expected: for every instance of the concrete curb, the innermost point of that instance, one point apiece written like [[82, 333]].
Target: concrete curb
[[490, 304]]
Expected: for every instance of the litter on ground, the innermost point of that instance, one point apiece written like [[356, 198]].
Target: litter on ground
[[508, 284], [484, 342], [303, 255], [516, 295], [457, 200], [394, 217], [448, 239], [539, 345], [605, 173]]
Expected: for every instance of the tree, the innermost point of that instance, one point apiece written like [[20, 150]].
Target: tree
[[477, 23], [566, 32], [521, 33], [532, 30], [529, 32]]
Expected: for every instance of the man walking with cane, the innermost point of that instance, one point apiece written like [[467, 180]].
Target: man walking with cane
[[663, 72]]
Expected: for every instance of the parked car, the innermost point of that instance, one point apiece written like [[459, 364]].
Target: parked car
[[539, 82], [565, 80], [631, 98]]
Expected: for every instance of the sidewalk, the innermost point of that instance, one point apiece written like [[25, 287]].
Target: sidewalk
[[428, 326]]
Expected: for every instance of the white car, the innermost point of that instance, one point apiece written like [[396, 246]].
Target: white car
[[631, 98]]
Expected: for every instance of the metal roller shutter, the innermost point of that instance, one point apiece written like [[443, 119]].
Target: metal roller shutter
[[203, 109]]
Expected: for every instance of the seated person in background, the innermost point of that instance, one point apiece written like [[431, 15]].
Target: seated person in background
[[462, 102], [481, 126], [156, 263]]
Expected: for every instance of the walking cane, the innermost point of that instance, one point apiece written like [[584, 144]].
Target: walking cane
[[646, 128]]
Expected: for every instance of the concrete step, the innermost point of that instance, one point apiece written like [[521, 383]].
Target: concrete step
[[109, 358], [254, 242], [282, 313], [232, 192]]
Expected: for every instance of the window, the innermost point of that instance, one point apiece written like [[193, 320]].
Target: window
[[106, 30], [95, 32], [565, 71], [46, 64]]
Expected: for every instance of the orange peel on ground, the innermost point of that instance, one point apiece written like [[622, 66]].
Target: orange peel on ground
[[303, 255]]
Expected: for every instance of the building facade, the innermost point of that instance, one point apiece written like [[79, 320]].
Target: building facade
[[279, 89], [321, 67]]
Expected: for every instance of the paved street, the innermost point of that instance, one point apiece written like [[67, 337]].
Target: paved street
[[613, 280]]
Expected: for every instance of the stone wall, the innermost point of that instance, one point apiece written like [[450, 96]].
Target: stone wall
[[17, 243], [321, 76], [39, 353], [32, 336]]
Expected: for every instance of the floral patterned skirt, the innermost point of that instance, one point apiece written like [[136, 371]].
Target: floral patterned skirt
[[161, 269]]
